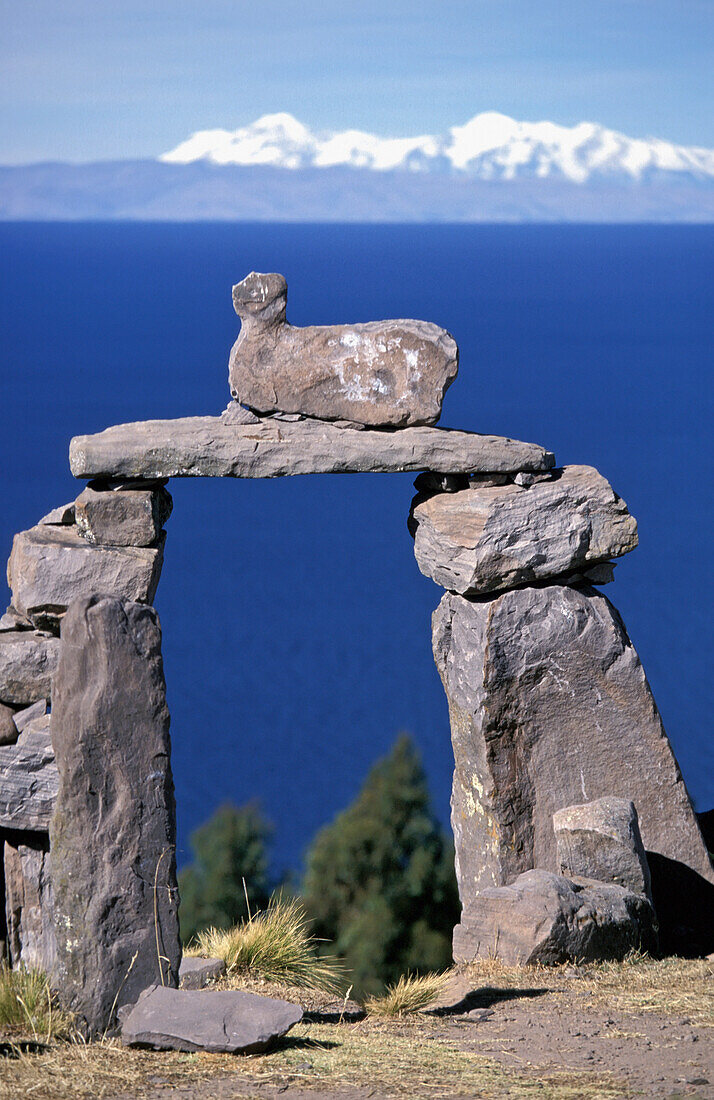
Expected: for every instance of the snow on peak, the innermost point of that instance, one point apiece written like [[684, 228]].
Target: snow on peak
[[489, 146]]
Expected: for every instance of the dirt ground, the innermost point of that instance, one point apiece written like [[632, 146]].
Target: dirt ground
[[642, 1029]]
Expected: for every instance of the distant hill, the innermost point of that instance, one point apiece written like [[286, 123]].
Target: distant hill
[[491, 169]]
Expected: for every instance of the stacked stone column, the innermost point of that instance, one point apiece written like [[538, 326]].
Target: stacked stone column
[[109, 544], [549, 705]]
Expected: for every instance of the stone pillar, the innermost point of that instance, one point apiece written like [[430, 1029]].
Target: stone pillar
[[550, 707], [28, 893], [113, 834]]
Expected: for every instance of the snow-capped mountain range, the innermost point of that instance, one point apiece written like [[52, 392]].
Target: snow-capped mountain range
[[490, 146]]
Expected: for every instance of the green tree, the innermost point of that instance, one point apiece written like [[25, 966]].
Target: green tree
[[380, 879], [229, 848]]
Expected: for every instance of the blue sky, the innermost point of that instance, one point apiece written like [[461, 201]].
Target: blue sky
[[98, 79]]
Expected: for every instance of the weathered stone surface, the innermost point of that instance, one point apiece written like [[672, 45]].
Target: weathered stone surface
[[196, 973], [500, 536], [234, 413], [381, 373], [601, 840], [8, 729], [23, 718], [549, 705], [544, 918], [28, 782], [27, 662], [60, 517], [51, 566], [12, 620], [28, 906], [208, 446], [122, 517], [113, 834], [214, 1020]]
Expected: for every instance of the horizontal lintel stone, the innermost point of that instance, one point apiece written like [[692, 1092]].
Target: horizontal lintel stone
[[210, 446]]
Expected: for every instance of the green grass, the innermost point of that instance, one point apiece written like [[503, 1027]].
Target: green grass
[[410, 994], [28, 1008], [275, 945]]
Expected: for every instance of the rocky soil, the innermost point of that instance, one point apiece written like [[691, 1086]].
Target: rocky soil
[[609, 1032]]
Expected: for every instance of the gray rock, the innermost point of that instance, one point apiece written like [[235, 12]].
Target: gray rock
[[229, 1021], [51, 566], [60, 517], [28, 660], [549, 705], [234, 413], [28, 782], [8, 729], [501, 536], [196, 973], [125, 517], [113, 833], [601, 840], [381, 373], [23, 718], [544, 918], [28, 901], [525, 480], [207, 446], [12, 620]]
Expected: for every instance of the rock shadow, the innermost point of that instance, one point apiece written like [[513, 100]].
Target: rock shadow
[[684, 904], [485, 997]]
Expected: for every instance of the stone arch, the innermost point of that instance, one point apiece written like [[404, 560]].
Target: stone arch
[[528, 651]]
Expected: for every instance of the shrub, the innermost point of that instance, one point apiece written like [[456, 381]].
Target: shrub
[[27, 1005], [411, 993], [275, 945]]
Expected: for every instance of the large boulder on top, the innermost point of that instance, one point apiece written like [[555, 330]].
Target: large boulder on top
[[113, 833], [490, 537], [545, 918], [549, 706], [383, 373], [601, 840]]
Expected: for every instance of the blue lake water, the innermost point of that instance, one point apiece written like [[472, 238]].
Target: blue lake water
[[296, 623]]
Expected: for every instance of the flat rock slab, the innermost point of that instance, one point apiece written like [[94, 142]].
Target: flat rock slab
[[378, 373], [51, 566], [196, 973], [221, 1021], [545, 918], [549, 706], [28, 782], [209, 446], [483, 539], [601, 840], [28, 660]]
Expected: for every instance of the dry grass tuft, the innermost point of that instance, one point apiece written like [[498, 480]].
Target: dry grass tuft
[[276, 946], [411, 993], [28, 1008]]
